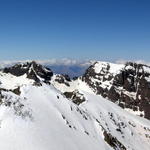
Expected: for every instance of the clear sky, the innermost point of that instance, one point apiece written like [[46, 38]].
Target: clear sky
[[78, 29]]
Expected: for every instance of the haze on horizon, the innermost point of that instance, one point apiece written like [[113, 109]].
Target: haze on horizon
[[81, 29]]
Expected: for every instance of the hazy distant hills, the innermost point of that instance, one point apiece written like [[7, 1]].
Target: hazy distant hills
[[71, 70]]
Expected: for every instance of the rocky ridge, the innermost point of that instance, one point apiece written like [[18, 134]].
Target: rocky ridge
[[127, 85], [32, 70]]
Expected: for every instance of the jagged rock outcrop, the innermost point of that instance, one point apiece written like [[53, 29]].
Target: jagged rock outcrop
[[63, 79], [32, 70], [128, 85], [75, 96]]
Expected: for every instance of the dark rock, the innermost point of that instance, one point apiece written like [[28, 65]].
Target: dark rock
[[113, 94], [113, 142], [17, 91], [63, 79], [75, 96], [67, 77]]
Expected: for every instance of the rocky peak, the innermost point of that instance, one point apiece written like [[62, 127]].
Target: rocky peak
[[128, 85], [31, 69]]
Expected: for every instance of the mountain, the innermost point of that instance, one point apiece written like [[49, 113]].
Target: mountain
[[40, 110], [127, 85]]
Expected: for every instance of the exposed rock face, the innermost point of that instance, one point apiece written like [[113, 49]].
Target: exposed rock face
[[63, 79], [75, 96], [32, 69], [128, 85], [113, 142]]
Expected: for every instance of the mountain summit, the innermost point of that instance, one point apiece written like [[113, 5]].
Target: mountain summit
[[31, 69]]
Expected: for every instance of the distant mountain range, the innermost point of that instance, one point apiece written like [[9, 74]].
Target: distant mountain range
[[73, 68]]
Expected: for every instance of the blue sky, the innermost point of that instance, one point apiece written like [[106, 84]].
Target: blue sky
[[78, 29]]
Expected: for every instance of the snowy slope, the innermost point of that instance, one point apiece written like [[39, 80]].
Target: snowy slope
[[40, 117]]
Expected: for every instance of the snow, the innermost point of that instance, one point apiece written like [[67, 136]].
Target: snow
[[9, 81], [138, 112], [148, 79], [97, 104], [73, 85], [146, 69], [114, 68], [129, 68], [48, 129]]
